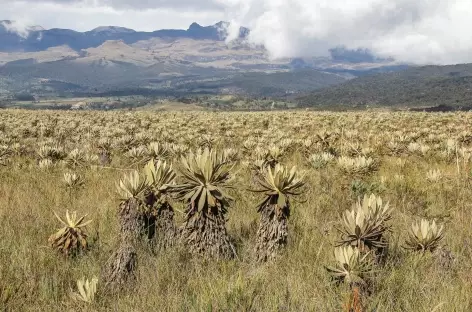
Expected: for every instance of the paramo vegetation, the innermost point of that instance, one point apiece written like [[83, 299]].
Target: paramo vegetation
[[215, 211]]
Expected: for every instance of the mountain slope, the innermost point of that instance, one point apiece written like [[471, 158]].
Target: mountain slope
[[49, 55], [262, 84], [420, 86], [103, 75], [117, 50], [203, 46], [111, 59]]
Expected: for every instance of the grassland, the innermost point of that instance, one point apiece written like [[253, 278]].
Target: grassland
[[171, 103], [407, 147]]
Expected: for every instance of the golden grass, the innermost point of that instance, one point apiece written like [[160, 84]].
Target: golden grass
[[34, 277]]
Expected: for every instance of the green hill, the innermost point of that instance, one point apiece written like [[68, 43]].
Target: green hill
[[279, 84], [426, 86]]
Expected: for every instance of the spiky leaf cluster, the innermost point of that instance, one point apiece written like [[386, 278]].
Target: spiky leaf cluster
[[321, 160], [75, 158], [86, 290], [45, 163], [357, 165], [325, 138], [206, 175], [207, 141], [73, 180], [424, 236], [104, 144], [365, 225], [5, 152], [131, 185], [267, 157], [352, 267], [52, 152], [434, 175], [136, 154], [230, 154], [158, 176], [71, 238], [278, 184], [158, 151]]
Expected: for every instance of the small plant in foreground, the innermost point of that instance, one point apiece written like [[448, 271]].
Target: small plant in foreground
[[434, 176], [424, 236], [351, 267], [75, 158], [73, 180], [365, 225], [45, 163], [358, 165], [321, 160], [71, 238], [86, 290]]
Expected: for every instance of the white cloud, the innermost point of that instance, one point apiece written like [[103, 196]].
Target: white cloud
[[419, 31], [134, 4], [20, 27], [85, 15]]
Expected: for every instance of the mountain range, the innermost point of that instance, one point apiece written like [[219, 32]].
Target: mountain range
[[112, 59], [36, 38]]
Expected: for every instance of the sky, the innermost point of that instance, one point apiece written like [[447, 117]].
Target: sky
[[416, 31]]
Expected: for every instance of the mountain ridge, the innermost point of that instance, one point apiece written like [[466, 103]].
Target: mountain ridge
[[196, 60], [33, 39]]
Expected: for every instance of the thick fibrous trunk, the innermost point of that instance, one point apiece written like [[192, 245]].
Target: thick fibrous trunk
[[205, 233], [148, 226], [165, 230], [130, 220], [136, 223], [272, 233], [147, 220], [120, 268]]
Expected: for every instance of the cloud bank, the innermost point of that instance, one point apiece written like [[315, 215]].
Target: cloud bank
[[416, 31], [84, 15]]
